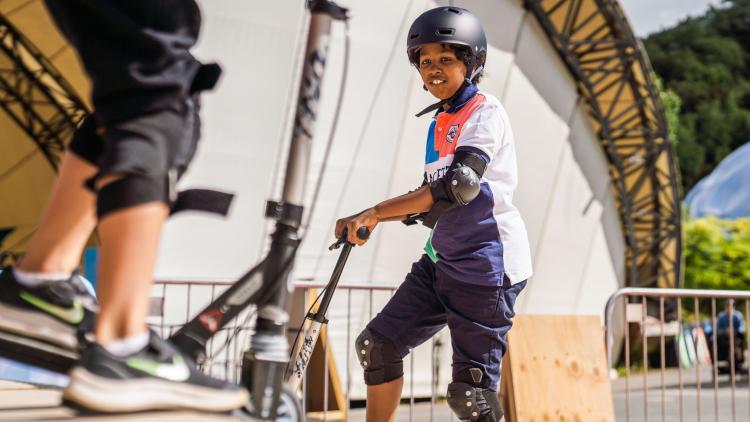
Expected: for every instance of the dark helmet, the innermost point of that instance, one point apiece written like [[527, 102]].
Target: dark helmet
[[448, 25]]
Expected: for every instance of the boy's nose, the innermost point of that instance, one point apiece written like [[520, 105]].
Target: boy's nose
[[434, 71], [431, 67]]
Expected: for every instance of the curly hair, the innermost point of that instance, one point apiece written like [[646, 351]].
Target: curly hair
[[464, 54]]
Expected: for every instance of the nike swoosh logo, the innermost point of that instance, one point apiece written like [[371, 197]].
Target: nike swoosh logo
[[73, 315], [177, 370]]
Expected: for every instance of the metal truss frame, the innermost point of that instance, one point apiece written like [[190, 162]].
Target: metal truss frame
[[615, 78], [35, 95]]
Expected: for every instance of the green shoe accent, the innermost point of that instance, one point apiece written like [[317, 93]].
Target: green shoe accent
[[73, 315], [429, 250], [177, 371]]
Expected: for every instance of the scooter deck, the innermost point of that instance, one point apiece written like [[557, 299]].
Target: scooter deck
[[36, 353]]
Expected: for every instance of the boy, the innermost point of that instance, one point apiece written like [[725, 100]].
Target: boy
[[477, 258], [119, 173]]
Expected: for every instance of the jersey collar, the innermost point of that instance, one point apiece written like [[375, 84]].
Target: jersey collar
[[464, 96], [459, 99]]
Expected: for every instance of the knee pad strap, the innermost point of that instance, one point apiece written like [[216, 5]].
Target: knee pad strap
[[130, 191], [379, 358]]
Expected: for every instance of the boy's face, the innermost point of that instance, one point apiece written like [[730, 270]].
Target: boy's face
[[442, 72]]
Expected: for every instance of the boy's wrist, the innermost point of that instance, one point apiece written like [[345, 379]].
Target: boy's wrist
[[377, 212]]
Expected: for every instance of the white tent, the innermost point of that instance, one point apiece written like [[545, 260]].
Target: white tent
[[564, 193]]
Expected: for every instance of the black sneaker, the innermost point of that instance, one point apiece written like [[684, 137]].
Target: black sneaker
[[158, 377], [53, 312]]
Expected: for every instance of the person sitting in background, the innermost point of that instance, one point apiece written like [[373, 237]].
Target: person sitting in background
[[724, 341], [722, 319]]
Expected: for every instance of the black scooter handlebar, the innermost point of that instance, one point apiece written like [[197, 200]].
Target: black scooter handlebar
[[362, 233]]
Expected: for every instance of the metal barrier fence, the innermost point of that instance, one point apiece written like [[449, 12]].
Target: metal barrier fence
[[174, 302], [715, 349]]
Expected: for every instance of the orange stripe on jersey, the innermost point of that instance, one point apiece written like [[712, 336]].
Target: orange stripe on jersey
[[448, 126]]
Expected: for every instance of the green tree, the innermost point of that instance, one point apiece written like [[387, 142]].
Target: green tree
[[717, 254], [705, 61], [672, 104]]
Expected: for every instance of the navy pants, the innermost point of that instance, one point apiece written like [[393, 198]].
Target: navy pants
[[478, 317]]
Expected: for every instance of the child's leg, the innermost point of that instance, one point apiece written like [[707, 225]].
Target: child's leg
[[66, 223], [412, 316], [42, 299], [383, 400], [130, 239], [479, 318]]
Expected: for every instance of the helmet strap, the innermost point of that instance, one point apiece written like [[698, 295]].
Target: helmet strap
[[449, 101], [474, 73]]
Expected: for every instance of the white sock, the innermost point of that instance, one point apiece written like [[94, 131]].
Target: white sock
[[128, 345], [30, 279]]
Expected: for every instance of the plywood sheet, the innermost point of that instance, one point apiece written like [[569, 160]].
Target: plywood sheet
[[556, 370]]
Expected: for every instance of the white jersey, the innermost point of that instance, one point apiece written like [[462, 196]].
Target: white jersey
[[480, 242]]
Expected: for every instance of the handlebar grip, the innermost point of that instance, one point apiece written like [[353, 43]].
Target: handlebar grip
[[363, 233]]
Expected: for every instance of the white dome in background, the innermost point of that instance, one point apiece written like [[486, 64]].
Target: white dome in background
[[725, 193]]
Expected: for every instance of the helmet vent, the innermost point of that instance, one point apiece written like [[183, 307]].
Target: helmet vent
[[456, 11], [412, 36], [446, 31]]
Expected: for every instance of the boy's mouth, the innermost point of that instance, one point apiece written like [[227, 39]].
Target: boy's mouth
[[437, 81]]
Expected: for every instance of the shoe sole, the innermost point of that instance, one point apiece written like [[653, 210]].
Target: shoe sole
[[108, 395], [37, 325]]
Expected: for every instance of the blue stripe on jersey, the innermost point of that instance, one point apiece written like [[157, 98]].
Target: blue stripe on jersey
[[431, 153], [468, 244]]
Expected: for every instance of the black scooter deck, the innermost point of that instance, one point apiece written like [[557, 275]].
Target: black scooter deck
[[36, 353]]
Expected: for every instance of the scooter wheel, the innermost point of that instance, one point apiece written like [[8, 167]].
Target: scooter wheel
[[289, 410]]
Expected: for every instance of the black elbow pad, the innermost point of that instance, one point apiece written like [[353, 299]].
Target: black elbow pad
[[459, 186], [464, 185], [461, 183]]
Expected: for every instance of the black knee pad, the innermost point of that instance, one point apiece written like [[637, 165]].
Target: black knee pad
[[379, 358], [131, 190], [471, 402]]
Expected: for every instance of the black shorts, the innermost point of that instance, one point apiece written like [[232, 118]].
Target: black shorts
[[155, 146]]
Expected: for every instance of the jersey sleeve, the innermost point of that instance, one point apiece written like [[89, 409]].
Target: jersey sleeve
[[483, 132]]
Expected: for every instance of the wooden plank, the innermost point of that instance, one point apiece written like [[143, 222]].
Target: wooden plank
[[332, 415], [556, 370], [507, 399]]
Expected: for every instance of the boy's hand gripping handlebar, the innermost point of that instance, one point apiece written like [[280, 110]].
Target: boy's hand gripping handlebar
[[362, 232]]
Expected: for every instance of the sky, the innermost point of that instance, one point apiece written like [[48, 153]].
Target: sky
[[647, 16]]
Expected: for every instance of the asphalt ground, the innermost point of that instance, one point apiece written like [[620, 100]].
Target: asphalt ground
[[23, 402]]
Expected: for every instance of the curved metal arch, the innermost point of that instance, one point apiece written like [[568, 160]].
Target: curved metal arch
[[35, 95], [597, 45]]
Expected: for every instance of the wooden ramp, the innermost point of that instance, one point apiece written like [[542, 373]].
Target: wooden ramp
[[556, 370], [23, 402]]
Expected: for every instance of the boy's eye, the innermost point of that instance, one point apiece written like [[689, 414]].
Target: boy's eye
[[443, 60]]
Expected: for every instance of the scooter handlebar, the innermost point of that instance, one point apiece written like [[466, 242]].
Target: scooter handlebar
[[362, 233]]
